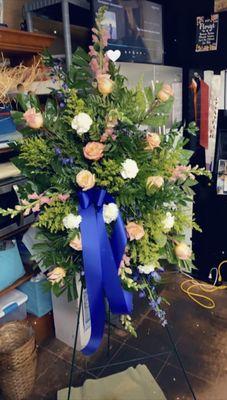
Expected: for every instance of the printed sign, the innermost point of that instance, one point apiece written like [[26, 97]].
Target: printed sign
[[207, 33], [220, 5]]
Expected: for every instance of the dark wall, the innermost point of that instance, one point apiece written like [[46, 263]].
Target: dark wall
[[181, 24]]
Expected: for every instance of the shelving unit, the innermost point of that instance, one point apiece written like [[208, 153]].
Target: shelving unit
[[63, 7], [20, 47]]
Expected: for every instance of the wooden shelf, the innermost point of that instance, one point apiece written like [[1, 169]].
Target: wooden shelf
[[15, 41], [19, 282]]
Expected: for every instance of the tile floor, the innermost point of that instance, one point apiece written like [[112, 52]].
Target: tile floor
[[200, 336]]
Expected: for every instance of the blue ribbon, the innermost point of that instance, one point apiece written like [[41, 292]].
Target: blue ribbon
[[102, 257]]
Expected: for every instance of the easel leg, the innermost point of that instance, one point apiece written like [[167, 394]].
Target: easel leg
[[75, 342], [108, 333], [180, 362]]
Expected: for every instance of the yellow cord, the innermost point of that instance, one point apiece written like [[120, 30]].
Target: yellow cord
[[204, 301]]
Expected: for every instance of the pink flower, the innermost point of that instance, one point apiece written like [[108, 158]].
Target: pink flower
[[33, 196], [104, 37], [25, 202], [63, 197], [104, 137], [94, 30], [95, 39], [181, 172], [95, 66], [134, 231], [106, 62], [45, 200], [93, 151], [34, 119], [92, 52], [126, 260], [27, 212], [36, 208], [76, 243]]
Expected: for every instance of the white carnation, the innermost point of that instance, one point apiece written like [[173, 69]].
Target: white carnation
[[146, 269], [110, 212], [72, 221], [129, 169], [81, 123], [168, 222]]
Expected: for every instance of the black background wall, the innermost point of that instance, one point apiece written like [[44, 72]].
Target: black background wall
[[180, 31], [210, 247]]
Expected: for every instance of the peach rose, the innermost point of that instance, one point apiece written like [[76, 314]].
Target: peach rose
[[76, 243], [156, 181], [105, 84], [183, 251], [33, 119], [85, 179], [56, 275], [134, 231], [153, 141], [165, 93], [93, 151]]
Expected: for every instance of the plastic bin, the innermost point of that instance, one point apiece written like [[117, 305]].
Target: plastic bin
[[39, 299], [13, 306], [11, 267]]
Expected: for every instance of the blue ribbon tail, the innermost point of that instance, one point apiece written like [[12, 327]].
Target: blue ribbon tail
[[93, 276], [102, 257]]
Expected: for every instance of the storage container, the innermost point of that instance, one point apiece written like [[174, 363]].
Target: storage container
[[13, 306], [11, 267], [65, 320], [6, 122], [39, 298]]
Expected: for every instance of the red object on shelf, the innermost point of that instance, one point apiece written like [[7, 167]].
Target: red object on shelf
[[204, 114]]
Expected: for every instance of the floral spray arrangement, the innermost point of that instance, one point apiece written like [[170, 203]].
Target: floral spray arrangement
[[107, 189]]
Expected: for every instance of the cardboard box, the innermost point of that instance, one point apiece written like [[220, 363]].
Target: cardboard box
[[43, 326]]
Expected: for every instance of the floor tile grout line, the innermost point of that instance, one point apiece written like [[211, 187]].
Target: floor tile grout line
[[163, 366], [111, 358], [146, 358], [188, 372]]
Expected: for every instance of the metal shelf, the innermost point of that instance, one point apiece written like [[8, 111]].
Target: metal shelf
[[37, 5]]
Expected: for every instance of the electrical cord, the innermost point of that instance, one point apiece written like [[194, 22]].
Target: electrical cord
[[190, 285]]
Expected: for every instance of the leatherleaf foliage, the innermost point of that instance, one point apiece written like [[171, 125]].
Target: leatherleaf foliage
[[127, 124]]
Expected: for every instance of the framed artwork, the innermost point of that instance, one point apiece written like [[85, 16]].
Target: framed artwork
[[220, 5]]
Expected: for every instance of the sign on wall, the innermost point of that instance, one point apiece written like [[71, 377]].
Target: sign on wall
[[207, 33], [220, 5]]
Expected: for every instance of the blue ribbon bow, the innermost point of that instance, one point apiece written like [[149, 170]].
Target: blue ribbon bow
[[102, 257]]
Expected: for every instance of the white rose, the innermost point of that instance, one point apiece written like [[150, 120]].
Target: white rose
[[171, 205], [81, 123], [72, 221], [129, 169], [146, 269], [168, 221], [110, 212]]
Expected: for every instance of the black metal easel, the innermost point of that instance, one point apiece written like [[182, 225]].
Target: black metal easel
[[108, 346]]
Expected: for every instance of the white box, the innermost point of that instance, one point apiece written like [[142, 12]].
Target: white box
[[65, 319], [13, 306]]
